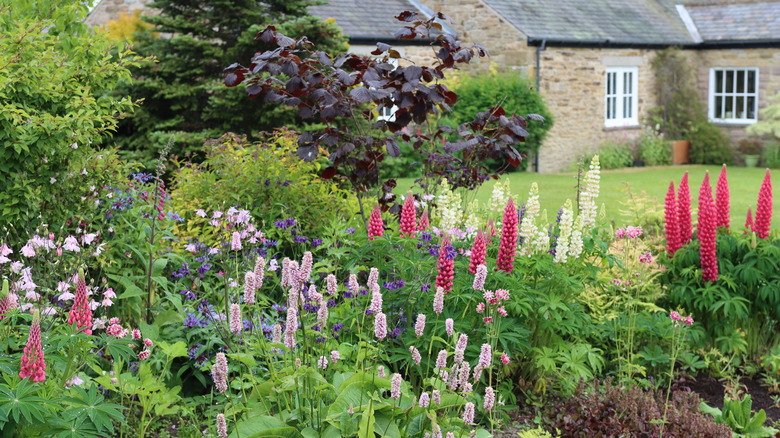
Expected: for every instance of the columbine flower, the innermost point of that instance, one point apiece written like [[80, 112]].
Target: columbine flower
[[71, 244], [219, 372], [395, 386], [33, 363], [419, 325]]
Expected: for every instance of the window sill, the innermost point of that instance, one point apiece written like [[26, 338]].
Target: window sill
[[621, 127], [727, 123]]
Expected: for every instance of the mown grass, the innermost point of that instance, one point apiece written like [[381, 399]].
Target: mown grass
[[647, 186]]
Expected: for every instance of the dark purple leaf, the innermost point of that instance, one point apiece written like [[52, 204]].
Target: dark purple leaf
[[235, 78], [267, 35], [328, 173], [536, 117], [392, 147], [381, 48], [407, 16], [290, 68], [404, 33], [284, 41], [307, 153], [518, 130]]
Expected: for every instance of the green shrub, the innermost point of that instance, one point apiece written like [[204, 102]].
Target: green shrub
[[709, 145], [615, 153], [654, 148], [267, 179]]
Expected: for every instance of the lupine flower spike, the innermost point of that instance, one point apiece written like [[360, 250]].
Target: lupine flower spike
[[33, 363], [671, 225], [425, 222], [4, 300], [446, 266], [81, 313], [506, 251], [707, 231], [722, 200], [684, 223], [376, 228], [408, 217], [763, 217], [478, 252], [749, 221]]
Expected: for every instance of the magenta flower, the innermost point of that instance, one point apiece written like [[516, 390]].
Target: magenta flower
[[675, 316], [508, 243], [425, 222], [408, 217], [763, 217], [81, 313], [749, 221], [376, 228], [684, 223], [671, 225], [707, 231], [478, 252], [33, 363], [689, 320], [505, 359], [419, 325], [446, 265], [722, 201]]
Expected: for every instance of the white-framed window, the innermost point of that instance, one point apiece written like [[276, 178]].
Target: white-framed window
[[621, 102], [733, 96], [385, 113]]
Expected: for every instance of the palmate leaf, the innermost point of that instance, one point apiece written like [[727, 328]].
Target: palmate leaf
[[22, 403], [89, 404]]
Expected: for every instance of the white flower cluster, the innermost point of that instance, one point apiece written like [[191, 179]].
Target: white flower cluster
[[450, 209], [564, 234], [528, 231], [590, 191]]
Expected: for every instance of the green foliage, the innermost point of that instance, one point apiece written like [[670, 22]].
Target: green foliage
[[55, 77], [709, 144], [184, 97], [654, 149], [511, 91], [265, 178], [737, 414], [678, 107], [769, 125], [616, 152]]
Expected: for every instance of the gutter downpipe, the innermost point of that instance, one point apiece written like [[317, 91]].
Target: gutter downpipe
[[539, 50]]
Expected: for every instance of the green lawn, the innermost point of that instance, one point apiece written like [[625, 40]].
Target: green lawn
[[649, 182]]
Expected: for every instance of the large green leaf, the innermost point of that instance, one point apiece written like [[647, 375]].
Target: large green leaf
[[264, 426]]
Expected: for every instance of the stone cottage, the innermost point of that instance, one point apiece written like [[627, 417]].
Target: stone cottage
[[591, 59]]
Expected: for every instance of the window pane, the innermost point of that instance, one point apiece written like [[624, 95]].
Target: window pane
[[718, 81], [740, 81], [614, 107], [627, 83], [609, 108], [718, 113], [751, 81], [729, 81], [739, 108], [728, 107], [751, 107]]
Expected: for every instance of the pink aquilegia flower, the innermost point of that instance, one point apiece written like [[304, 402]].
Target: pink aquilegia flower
[[395, 386], [763, 217], [249, 287], [478, 252], [380, 326], [671, 224], [479, 278], [749, 221], [81, 313], [722, 201], [221, 426], [408, 217], [219, 372], [707, 231], [508, 243], [438, 301], [419, 325], [684, 223], [235, 319], [468, 413], [376, 228], [490, 399], [33, 363], [446, 265]]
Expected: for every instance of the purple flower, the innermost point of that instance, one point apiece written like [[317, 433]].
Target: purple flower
[[451, 252], [204, 268], [267, 182], [425, 287], [434, 251], [192, 320], [181, 273], [425, 236], [280, 224], [290, 222], [300, 239], [316, 242], [278, 307], [338, 327], [188, 294], [271, 242], [350, 230]]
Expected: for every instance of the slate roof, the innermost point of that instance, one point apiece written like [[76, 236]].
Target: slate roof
[[737, 22], [633, 22], [368, 20]]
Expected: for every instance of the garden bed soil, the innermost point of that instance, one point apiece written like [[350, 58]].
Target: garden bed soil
[[711, 391]]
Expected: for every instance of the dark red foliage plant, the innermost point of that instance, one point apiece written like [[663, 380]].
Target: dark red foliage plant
[[341, 92]]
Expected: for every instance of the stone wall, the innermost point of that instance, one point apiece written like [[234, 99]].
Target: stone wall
[[768, 63], [108, 10], [573, 85]]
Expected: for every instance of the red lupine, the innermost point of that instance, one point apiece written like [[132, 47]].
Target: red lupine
[[722, 201], [425, 222], [707, 231], [33, 363], [508, 243], [478, 252], [764, 209], [749, 221], [684, 224], [408, 217], [671, 225], [81, 313], [376, 228], [446, 267]]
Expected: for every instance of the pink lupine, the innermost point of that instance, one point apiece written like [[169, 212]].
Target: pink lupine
[[81, 312], [707, 231], [221, 426], [395, 386], [446, 265], [479, 278], [438, 301], [5, 301], [259, 273], [376, 228], [508, 243], [235, 319], [408, 217], [478, 252], [749, 221], [684, 223], [219, 372], [671, 225], [249, 287], [490, 399], [722, 201], [419, 325], [468, 413], [33, 363], [380, 326], [425, 222], [763, 217]]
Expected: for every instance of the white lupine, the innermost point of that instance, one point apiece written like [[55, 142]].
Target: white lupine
[[450, 210], [575, 243], [564, 233], [541, 242], [590, 191], [473, 217], [527, 226], [499, 198]]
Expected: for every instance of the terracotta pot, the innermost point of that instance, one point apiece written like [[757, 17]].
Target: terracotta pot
[[680, 151]]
